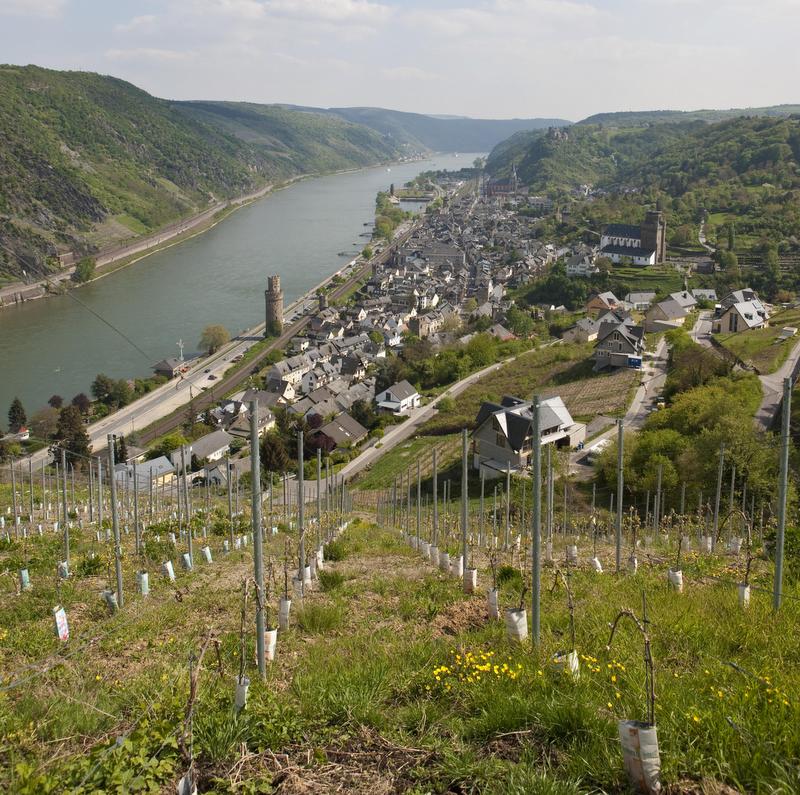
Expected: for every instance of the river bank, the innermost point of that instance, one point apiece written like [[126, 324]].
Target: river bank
[[58, 346]]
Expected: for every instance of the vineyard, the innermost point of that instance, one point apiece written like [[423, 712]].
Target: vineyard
[[399, 651]]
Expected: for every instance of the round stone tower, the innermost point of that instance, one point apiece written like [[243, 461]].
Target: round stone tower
[[273, 298]]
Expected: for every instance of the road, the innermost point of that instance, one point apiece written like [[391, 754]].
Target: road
[[701, 237], [206, 382], [771, 383], [396, 434], [772, 388], [701, 331], [415, 418]]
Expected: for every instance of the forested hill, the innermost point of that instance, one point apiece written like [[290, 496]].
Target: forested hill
[[88, 160], [455, 134], [676, 158], [638, 118]]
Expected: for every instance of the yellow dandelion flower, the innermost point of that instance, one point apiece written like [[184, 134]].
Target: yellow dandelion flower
[[610, 705], [613, 678], [695, 719]]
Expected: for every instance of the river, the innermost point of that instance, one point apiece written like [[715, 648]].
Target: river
[[57, 345]]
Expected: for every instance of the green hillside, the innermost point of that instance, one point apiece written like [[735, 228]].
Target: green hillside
[[638, 118], [89, 160], [293, 140], [438, 133]]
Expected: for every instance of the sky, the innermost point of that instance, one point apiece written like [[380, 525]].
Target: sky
[[484, 58]]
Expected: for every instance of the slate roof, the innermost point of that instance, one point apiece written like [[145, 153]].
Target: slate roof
[[401, 390], [628, 251], [514, 416], [210, 443], [623, 230]]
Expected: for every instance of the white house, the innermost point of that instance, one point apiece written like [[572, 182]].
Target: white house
[[398, 398]]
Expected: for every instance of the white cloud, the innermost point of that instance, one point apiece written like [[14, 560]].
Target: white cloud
[[148, 54], [32, 8], [338, 11], [406, 73], [141, 23]]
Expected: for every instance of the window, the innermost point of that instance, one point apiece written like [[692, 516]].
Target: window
[[500, 439]]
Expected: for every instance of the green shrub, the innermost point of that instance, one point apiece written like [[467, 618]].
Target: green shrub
[[330, 580], [335, 551], [89, 566]]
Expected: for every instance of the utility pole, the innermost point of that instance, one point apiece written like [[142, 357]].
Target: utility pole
[[64, 503], [435, 498], [719, 495], [620, 484], [258, 550], [301, 529], [14, 498], [482, 517], [508, 504], [114, 519], [229, 473], [536, 525], [186, 504], [319, 495], [783, 487], [419, 504], [99, 492], [136, 528], [464, 500]]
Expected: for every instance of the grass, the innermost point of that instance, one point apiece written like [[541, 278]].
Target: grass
[[564, 370], [761, 347], [390, 677], [398, 460]]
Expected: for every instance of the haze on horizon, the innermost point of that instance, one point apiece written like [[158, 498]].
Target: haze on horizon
[[481, 58]]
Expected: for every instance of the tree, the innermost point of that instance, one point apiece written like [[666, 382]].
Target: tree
[[81, 400], [773, 264], [121, 393], [121, 450], [274, 457], [16, 416], [168, 445], [56, 401], [519, 322], [376, 337], [366, 252], [481, 350], [71, 433], [363, 413], [44, 423], [213, 338], [102, 387], [84, 270]]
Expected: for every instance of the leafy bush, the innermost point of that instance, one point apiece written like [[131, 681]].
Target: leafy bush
[[330, 580], [89, 566], [335, 551]]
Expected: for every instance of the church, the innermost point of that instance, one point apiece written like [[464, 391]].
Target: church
[[641, 245]]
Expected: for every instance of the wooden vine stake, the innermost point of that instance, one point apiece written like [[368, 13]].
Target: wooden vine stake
[[638, 738]]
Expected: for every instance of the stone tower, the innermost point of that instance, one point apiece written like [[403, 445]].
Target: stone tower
[[654, 234], [273, 298]]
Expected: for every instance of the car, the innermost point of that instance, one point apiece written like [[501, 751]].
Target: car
[[238, 357], [207, 370], [212, 377]]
